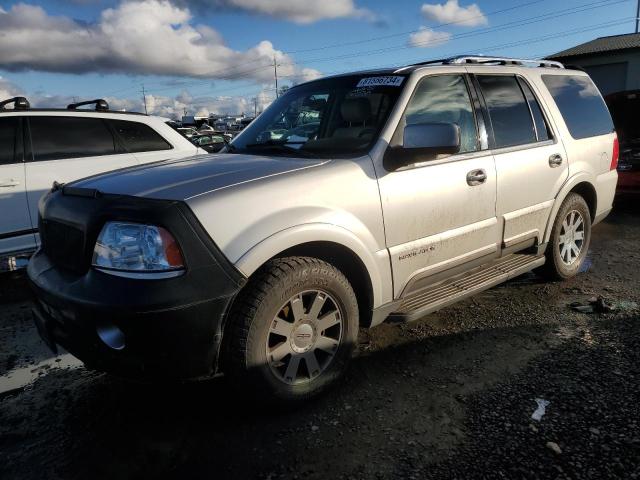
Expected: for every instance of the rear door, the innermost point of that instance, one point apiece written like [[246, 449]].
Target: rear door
[[16, 230], [531, 163], [67, 148]]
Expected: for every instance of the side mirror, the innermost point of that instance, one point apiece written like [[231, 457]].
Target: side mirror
[[423, 141]]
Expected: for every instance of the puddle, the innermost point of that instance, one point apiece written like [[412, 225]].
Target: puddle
[[21, 377]]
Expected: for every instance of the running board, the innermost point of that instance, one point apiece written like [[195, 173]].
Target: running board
[[435, 297]]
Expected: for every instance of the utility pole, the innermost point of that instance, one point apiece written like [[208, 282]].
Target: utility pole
[[275, 71], [144, 99], [638, 17], [255, 107]]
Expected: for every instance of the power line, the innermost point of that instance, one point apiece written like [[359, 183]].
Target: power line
[[473, 33], [408, 32]]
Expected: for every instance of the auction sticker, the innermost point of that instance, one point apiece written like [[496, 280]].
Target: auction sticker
[[392, 81]]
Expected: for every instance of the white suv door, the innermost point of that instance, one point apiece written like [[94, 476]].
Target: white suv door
[[16, 230], [531, 165], [67, 148], [440, 213]]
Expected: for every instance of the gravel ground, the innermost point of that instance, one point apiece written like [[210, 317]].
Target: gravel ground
[[450, 396]]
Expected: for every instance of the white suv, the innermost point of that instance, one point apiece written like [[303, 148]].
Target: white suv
[[350, 200], [38, 147]]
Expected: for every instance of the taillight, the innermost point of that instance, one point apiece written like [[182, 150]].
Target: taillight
[[616, 153]]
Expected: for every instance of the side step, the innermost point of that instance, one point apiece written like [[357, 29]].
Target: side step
[[440, 295]]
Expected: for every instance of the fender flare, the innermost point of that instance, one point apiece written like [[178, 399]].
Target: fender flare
[[374, 262], [582, 177]]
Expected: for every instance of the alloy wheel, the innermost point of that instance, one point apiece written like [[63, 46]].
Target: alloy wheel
[[571, 237], [304, 337]]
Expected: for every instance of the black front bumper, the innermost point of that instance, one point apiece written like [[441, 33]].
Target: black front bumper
[[165, 328]]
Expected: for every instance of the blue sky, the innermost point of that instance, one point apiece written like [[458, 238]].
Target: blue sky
[[214, 54]]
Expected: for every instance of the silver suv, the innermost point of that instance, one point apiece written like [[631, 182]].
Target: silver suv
[[350, 200]]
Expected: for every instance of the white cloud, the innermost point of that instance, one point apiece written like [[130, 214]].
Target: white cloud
[[140, 37], [8, 89], [427, 37], [452, 12], [299, 11]]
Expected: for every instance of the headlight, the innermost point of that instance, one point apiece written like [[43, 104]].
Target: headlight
[[137, 248]]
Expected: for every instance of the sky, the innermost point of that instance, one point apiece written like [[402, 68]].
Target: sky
[[217, 56]]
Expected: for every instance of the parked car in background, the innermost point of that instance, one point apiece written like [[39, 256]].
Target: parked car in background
[[40, 146], [625, 110], [422, 185], [187, 132], [211, 142]]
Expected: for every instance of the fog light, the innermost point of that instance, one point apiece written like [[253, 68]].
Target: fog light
[[111, 335]]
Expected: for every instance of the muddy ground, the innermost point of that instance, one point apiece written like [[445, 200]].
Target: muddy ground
[[450, 396]]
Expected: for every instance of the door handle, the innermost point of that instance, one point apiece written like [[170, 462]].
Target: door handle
[[476, 177], [555, 160], [9, 183]]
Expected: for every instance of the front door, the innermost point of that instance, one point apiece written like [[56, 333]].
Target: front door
[[440, 213], [16, 230], [531, 165]]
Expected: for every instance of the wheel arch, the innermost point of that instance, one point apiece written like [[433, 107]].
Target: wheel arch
[[581, 184]]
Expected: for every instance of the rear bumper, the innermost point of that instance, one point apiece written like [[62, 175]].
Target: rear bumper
[[154, 333], [605, 192]]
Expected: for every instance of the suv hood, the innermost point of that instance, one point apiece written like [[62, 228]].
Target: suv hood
[[186, 178]]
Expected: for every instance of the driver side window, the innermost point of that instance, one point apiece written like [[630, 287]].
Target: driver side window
[[444, 99]]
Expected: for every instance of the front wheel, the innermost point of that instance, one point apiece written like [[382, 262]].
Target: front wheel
[[570, 237], [293, 329]]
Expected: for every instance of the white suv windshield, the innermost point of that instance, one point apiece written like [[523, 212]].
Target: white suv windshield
[[339, 116]]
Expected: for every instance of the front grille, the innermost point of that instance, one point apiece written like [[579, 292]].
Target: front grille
[[63, 244]]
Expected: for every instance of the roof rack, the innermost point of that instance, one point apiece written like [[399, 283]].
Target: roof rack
[[482, 60], [19, 103], [101, 105]]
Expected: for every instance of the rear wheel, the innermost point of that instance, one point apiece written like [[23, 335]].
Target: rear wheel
[[293, 329], [570, 237]]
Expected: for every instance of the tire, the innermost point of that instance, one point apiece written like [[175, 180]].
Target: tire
[[291, 289], [561, 264]]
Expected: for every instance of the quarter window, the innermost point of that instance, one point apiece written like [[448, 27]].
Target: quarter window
[[508, 110], [542, 129], [581, 105], [8, 127], [138, 137], [445, 99], [55, 138]]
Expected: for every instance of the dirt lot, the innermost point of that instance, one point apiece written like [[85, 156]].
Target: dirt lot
[[450, 396]]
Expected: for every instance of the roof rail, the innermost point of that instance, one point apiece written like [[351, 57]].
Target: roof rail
[[482, 60], [19, 103], [101, 105]]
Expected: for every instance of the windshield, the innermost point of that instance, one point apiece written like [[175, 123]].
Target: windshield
[[339, 116]]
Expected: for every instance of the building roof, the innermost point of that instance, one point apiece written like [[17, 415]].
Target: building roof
[[601, 45]]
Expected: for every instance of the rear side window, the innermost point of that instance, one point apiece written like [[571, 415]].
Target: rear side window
[[138, 137], [8, 128], [580, 104], [542, 129], [54, 138], [508, 110]]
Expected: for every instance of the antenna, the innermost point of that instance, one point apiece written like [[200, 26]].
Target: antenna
[[144, 99], [275, 73]]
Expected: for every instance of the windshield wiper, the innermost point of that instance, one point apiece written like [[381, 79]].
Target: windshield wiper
[[283, 147], [274, 143]]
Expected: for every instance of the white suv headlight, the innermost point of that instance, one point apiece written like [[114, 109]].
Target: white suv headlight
[[139, 249]]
